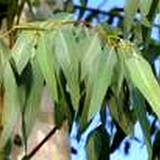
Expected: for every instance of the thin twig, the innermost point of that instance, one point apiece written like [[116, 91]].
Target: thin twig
[[36, 149]]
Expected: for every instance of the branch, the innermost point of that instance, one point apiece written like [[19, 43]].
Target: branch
[[36, 149]]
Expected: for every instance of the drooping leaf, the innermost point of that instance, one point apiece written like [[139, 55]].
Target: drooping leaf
[[46, 62], [144, 6], [89, 56], [66, 55], [11, 109], [140, 74], [4, 54], [23, 49], [130, 11], [121, 117], [139, 108], [88, 61], [118, 76], [98, 145], [101, 77], [32, 107]]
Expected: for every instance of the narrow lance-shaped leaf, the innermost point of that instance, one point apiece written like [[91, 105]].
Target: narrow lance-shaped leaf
[[32, 107], [46, 63], [144, 6], [101, 79], [4, 54], [123, 119], [23, 49], [90, 55], [88, 62], [142, 77], [130, 10], [139, 108], [11, 109], [66, 54]]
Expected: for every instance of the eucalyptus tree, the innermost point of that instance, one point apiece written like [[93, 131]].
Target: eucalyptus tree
[[86, 69]]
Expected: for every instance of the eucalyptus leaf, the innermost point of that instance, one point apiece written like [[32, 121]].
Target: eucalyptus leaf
[[23, 49], [46, 62], [122, 118], [101, 79], [32, 107], [66, 54], [140, 110], [142, 77], [145, 6], [130, 11], [11, 110], [4, 55]]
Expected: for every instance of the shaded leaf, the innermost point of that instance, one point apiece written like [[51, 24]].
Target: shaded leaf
[[82, 11], [139, 108], [123, 119], [32, 107], [98, 145]]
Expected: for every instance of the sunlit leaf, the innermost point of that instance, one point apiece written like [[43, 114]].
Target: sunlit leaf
[[130, 10], [144, 6], [142, 77], [11, 109], [88, 63], [44, 57], [23, 49], [66, 54], [101, 77], [90, 55], [4, 54]]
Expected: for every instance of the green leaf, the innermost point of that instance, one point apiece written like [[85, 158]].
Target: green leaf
[[101, 77], [123, 118], [142, 77], [66, 55], [11, 111], [23, 49], [32, 107], [118, 76], [92, 50], [144, 6], [4, 55], [140, 110], [88, 61], [98, 144], [130, 11], [44, 57]]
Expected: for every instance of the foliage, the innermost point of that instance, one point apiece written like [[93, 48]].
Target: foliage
[[86, 69]]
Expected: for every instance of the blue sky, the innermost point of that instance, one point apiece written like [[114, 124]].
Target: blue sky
[[137, 149]]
